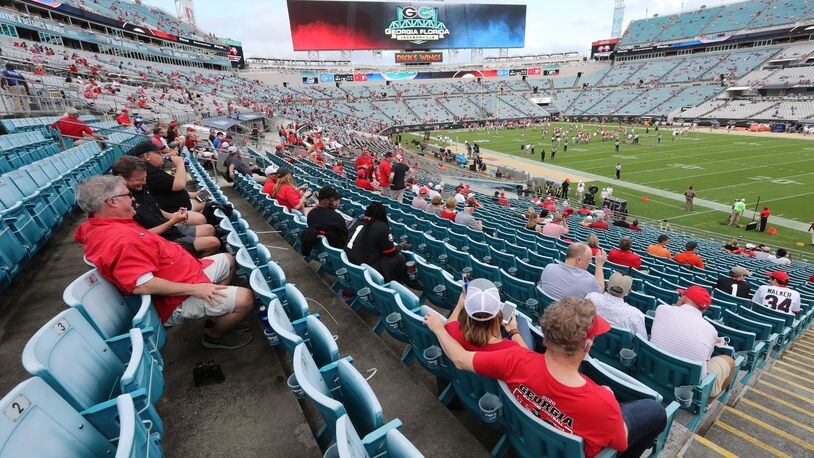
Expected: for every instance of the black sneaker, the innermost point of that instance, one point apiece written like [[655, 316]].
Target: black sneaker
[[243, 326], [229, 341]]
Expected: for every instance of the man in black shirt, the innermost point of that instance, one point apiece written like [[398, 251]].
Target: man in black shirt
[[622, 222], [399, 173], [326, 221], [736, 284], [199, 240], [169, 191], [234, 164]]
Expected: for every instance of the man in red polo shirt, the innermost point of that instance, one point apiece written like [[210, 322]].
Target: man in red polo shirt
[[551, 387], [123, 118], [624, 256], [72, 127], [599, 224], [384, 174], [140, 262]]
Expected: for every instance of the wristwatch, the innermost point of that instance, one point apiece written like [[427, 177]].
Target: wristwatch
[[513, 332]]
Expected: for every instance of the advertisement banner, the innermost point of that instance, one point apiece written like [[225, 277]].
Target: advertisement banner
[[319, 25], [603, 49], [419, 57]]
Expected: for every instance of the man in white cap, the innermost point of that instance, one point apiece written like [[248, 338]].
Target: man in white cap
[[735, 284], [435, 191], [271, 179], [234, 163], [612, 306]]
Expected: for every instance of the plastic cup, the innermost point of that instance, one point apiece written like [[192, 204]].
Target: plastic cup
[[331, 452], [440, 290], [627, 357], [683, 395], [432, 356], [294, 386], [490, 406], [364, 294], [393, 321]]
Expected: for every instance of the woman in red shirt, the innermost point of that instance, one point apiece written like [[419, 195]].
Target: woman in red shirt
[[448, 211], [476, 320], [286, 192], [362, 181]]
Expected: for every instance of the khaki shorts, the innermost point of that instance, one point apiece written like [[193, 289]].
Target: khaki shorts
[[194, 308], [720, 368]]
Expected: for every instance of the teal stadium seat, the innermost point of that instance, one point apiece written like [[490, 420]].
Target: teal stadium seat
[[386, 441]]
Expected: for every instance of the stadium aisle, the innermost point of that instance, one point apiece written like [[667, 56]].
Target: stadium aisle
[[774, 418]]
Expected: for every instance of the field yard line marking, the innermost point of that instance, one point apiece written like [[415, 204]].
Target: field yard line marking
[[751, 183], [783, 402], [752, 440], [771, 428], [777, 221], [713, 446], [718, 173], [686, 214], [777, 414]]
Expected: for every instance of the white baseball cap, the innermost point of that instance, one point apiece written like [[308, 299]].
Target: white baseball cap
[[272, 169], [232, 149], [482, 297], [437, 187]]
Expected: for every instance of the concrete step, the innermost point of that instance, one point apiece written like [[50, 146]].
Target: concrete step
[[401, 394], [775, 435], [700, 447]]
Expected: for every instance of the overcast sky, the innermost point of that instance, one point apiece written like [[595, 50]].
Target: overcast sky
[[551, 25]]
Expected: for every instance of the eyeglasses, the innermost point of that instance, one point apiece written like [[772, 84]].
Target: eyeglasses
[[129, 194]]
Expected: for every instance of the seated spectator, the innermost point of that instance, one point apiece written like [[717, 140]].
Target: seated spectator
[[476, 320], [420, 200], [436, 206], [325, 221], [234, 163], [634, 226], [460, 195], [178, 227], [531, 219], [731, 247], [123, 119], [622, 222], [586, 221], [140, 262], [781, 256], [168, 189], [689, 257], [288, 194], [467, 218], [777, 294], [735, 284], [502, 200], [659, 248], [584, 210], [598, 223], [612, 306], [371, 243], [762, 252], [593, 243], [448, 211], [681, 330], [556, 228], [571, 277], [550, 386], [496, 196], [271, 179], [435, 191], [363, 182], [75, 129], [624, 255]]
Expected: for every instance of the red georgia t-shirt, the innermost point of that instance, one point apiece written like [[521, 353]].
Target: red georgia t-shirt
[[589, 411], [289, 196], [454, 329]]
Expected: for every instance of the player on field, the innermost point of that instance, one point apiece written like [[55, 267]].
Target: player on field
[[618, 171]]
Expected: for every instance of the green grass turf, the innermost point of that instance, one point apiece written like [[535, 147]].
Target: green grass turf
[[721, 168]]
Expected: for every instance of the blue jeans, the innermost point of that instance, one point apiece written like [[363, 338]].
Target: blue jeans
[[645, 419]]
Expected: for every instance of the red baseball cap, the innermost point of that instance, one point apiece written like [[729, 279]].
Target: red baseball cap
[[698, 295], [598, 326], [779, 276]]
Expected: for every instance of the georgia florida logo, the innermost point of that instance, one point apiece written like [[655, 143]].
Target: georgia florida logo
[[417, 25]]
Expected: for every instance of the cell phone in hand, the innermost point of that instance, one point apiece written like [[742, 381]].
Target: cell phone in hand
[[507, 311], [203, 195]]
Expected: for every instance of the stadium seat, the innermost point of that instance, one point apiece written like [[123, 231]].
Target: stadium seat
[[40, 423], [69, 355], [309, 330], [529, 436], [113, 315], [249, 258], [520, 292], [606, 347], [385, 441], [348, 393]]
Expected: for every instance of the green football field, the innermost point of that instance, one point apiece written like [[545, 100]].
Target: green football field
[[721, 168]]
